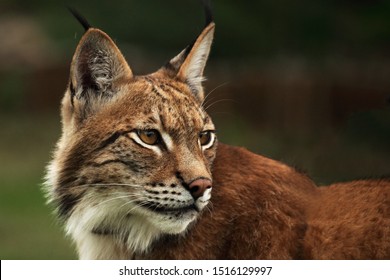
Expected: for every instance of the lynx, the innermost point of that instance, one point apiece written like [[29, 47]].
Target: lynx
[[138, 173]]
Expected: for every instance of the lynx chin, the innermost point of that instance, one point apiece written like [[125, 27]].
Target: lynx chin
[[138, 173]]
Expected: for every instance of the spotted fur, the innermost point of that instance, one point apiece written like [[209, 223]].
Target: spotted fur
[[177, 196]]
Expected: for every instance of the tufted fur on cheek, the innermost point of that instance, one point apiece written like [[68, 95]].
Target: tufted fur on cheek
[[97, 71]]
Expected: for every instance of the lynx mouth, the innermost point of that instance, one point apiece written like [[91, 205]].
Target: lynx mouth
[[164, 209]]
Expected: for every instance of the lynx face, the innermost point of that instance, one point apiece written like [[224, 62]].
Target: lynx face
[[134, 160]]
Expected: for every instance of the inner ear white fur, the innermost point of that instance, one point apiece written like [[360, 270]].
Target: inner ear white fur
[[193, 69], [97, 70], [190, 63], [97, 64]]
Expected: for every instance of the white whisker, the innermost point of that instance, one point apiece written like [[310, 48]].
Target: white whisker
[[214, 89], [108, 184], [218, 101], [128, 196], [139, 205]]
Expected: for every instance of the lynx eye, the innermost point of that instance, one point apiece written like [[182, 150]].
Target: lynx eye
[[149, 136], [205, 138]]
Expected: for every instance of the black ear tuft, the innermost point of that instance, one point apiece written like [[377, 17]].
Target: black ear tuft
[[208, 12], [80, 18]]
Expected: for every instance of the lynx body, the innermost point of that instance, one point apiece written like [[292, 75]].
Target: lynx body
[[138, 174]]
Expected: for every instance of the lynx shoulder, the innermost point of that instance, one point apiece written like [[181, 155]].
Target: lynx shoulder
[[138, 173]]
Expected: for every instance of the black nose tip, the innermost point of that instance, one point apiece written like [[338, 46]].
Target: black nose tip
[[198, 187]]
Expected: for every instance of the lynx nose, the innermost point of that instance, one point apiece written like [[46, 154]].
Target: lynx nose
[[198, 187]]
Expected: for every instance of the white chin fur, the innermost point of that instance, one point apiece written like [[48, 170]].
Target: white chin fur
[[134, 233], [50, 181]]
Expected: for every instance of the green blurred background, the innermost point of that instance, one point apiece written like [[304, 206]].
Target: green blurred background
[[305, 82]]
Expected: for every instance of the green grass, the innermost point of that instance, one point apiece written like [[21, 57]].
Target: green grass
[[28, 230]]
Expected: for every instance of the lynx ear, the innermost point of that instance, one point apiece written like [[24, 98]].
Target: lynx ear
[[189, 65], [96, 70]]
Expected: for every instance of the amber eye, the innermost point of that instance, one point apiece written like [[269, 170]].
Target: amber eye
[[149, 136], [205, 138]]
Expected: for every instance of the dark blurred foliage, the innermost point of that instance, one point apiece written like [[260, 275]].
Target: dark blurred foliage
[[245, 28]]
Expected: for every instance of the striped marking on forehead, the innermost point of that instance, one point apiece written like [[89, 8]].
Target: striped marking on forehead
[[161, 88], [165, 89], [178, 108]]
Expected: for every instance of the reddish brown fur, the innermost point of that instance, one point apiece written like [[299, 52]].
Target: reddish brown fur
[[258, 212], [350, 221], [263, 209]]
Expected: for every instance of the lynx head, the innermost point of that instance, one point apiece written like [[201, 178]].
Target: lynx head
[[134, 160]]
